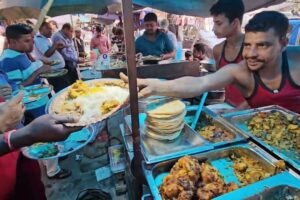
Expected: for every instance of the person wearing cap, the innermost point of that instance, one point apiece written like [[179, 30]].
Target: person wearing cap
[[79, 44], [164, 25], [154, 42]]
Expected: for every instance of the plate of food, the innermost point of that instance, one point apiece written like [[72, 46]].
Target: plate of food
[[34, 92], [150, 59], [55, 62], [92, 100], [45, 151], [54, 73]]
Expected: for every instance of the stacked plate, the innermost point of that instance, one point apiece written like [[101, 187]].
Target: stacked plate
[[166, 121]]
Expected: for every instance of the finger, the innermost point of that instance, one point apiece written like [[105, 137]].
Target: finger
[[140, 82], [61, 119], [123, 77], [146, 92], [18, 99]]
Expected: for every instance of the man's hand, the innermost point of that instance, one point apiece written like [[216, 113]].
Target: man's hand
[[51, 128], [146, 86], [11, 112], [81, 60], [44, 69], [5, 92]]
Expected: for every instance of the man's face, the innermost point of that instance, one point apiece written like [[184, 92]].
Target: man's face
[[151, 27], [222, 27], [198, 54], [69, 33], [23, 44], [78, 34], [46, 30], [262, 49]]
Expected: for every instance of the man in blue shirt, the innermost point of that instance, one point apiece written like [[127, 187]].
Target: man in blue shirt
[[154, 42], [20, 70]]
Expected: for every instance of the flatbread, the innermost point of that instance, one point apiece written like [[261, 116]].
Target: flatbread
[[171, 120], [166, 130], [156, 136], [110, 94], [167, 110]]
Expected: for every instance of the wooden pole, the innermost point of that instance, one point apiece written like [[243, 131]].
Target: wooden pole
[[132, 75], [43, 13]]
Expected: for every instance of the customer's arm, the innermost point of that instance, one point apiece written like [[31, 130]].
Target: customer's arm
[[47, 128]]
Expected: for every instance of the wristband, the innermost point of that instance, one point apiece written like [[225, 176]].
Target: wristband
[[7, 136]]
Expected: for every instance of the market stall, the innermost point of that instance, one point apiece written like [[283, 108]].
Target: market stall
[[223, 145]]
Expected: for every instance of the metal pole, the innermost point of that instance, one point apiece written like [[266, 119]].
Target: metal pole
[[132, 75]]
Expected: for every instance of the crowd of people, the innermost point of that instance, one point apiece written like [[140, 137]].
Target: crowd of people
[[256, 69]]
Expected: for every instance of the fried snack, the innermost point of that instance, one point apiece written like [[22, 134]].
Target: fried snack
[[181, 183], [212, 184], [277, 129], [215, 134], [248, 170]]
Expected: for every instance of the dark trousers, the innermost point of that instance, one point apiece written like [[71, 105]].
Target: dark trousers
[[72, 72], [59, 83]]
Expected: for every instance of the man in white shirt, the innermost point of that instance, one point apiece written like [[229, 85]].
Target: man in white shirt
[[46, 50]]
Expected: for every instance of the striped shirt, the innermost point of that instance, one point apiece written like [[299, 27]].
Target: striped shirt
[[18, 68]]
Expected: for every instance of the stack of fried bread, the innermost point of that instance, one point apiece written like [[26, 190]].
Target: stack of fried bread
[[166, 121]]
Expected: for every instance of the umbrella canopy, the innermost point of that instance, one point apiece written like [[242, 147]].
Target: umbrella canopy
[[197, 7], [16, 9]]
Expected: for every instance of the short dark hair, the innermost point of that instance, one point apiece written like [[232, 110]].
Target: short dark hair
[[15, 31], [150, 17], [99, 29], [231, 9], [119, 31], [44, 23], [67, 26], [200, 47], [188, 54], [266, 20]]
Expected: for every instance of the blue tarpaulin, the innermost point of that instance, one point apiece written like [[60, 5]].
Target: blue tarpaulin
[[13, 9]]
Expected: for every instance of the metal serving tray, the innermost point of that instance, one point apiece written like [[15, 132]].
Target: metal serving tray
[[208, 117], [281, 192], [267, 189], [217, 158], [239, 119], [189, 142]]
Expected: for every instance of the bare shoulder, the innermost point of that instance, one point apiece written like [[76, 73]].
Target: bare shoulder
[[242, 75], [217, 51]]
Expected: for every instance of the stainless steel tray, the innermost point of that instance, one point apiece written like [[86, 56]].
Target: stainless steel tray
[[156, 172], [189, 142], [261, 190], [208, 117], [239, 119], [280, 192]]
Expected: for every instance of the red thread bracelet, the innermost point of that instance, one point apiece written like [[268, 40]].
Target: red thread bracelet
[[7, 136]]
